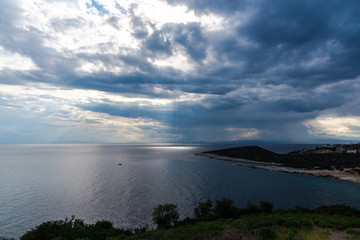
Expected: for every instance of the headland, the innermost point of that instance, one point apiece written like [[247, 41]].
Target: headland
[[334, 161]]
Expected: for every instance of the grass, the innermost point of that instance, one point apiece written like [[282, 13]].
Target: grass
[[278, 225], [354, 234]]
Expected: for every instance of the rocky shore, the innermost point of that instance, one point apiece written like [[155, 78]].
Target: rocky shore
[[348, 174]]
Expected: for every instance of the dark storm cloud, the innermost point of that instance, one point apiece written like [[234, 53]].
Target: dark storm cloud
[[311, 101], [147, 85], [128, 110], [188, 36], [304, 44], [158, 43], [130, 84], [294, 32], [139, 25]]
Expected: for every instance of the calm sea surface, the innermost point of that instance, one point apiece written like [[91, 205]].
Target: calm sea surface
[[50, 182]]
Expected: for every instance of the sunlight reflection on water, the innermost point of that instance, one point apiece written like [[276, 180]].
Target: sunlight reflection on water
[[172, 147]]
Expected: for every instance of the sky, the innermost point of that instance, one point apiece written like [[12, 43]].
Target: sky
[[171, 71]]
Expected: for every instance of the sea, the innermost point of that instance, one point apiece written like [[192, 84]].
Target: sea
[[123, 183]]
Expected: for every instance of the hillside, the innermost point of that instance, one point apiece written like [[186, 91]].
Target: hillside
[[254, 153], [328, 161]]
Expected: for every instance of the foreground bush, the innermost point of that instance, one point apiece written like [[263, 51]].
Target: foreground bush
[[225, 208], [267, 233], [166, 215], [74, 229], [340, 209], [204, 210], [266, 207]]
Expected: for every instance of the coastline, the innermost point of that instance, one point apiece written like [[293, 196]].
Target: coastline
[[347, 174], [231, 159]]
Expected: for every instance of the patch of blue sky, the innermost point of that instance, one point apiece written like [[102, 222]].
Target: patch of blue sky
[[102, 11], [121, 9]]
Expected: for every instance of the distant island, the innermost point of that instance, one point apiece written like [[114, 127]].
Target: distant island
[[341, 161]]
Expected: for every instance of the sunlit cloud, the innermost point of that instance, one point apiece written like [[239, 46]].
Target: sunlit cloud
[[48, 93], [335, 126], [15, 61], [243, 133], [75, 28]]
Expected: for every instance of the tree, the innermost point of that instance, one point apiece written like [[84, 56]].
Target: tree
[[203, 210], [104, 224], [266, 207], [252, 208], [225, 208], [166, 215]]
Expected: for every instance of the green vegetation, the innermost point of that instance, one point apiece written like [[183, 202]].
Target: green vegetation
[[165, 216], [225, 208], [203, 210], [293, 159], [222, 221], [75, 229]]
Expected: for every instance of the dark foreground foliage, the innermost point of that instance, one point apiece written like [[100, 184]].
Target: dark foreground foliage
[[75, 229], [166, 215], [223, 221]]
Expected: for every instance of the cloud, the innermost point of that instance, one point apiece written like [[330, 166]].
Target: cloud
[[47, 109], [180, 70], [335, 126], [224, 7]]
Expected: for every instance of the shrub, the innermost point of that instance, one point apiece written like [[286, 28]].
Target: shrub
[[252, 208], [104, 225], [353, 232], [141, 229], [300, 209], [203, 210], [340, 209], [266, 207], [267, 233], [46, 230], [292, 222], [225, 208], [166, 215], [187, 221], [74, 229]]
